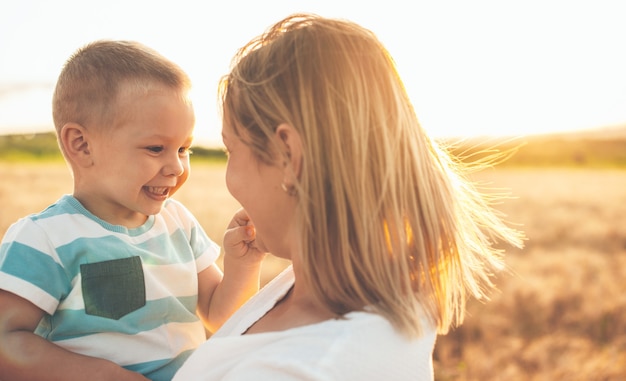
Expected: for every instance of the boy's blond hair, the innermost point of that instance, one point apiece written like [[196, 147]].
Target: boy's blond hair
[[387, 220], [93, 77]]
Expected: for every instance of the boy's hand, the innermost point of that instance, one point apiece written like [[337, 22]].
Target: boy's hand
[[241, 241], [221, 295]]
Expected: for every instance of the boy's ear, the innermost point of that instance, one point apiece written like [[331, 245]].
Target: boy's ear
[[75, 143], [290, 143]]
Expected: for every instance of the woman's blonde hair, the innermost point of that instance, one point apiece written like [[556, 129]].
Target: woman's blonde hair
[[386, 219]]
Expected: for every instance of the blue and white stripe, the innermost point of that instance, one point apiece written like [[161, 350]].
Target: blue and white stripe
[[40, 258]]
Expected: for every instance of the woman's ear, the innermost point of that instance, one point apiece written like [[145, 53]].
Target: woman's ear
[[73, 138], [291, 149]]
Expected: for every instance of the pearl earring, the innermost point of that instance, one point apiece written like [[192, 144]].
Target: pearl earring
[[290, 190]]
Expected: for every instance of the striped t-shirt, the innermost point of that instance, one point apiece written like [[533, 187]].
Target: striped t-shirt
[[126, 295]]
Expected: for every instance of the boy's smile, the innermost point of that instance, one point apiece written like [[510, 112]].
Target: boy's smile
[[157, 192], [141, 160]]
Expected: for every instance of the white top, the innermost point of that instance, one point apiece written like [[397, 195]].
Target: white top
[[363, 346]]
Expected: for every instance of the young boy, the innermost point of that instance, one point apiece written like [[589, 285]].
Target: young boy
[[111, 282]]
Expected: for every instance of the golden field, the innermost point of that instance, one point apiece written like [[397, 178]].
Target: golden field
[[560, 311]]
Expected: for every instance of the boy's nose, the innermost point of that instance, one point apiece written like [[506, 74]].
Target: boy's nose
[[174, 167]]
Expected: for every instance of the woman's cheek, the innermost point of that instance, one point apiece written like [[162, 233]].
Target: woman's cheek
[[232, 181]]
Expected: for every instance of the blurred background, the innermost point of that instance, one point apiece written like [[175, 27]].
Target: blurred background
[[484, 67], [541, 80]]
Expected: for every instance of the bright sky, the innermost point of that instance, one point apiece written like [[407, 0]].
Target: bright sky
[[471, 67]]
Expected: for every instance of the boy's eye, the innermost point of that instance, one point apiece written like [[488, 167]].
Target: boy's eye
[[155, 149], [185, 151]]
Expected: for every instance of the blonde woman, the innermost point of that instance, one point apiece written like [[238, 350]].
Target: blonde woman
[[386, 239]]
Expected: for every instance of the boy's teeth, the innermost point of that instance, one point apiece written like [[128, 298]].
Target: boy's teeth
[[158, 190]]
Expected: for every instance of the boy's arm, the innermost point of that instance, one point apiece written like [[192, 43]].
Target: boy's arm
[[220, 295], [27, 356]]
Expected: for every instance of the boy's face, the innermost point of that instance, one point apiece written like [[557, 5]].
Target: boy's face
[[142, 160]]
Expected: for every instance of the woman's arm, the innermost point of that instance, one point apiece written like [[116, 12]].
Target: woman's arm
[[27, 356]]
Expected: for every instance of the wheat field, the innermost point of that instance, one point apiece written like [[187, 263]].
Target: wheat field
[[560, 309]]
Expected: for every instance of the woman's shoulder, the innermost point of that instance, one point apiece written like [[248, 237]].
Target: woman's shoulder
[[360, 345], [361, 329]]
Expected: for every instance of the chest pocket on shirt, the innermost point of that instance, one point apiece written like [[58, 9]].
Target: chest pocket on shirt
[[114, 288]]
